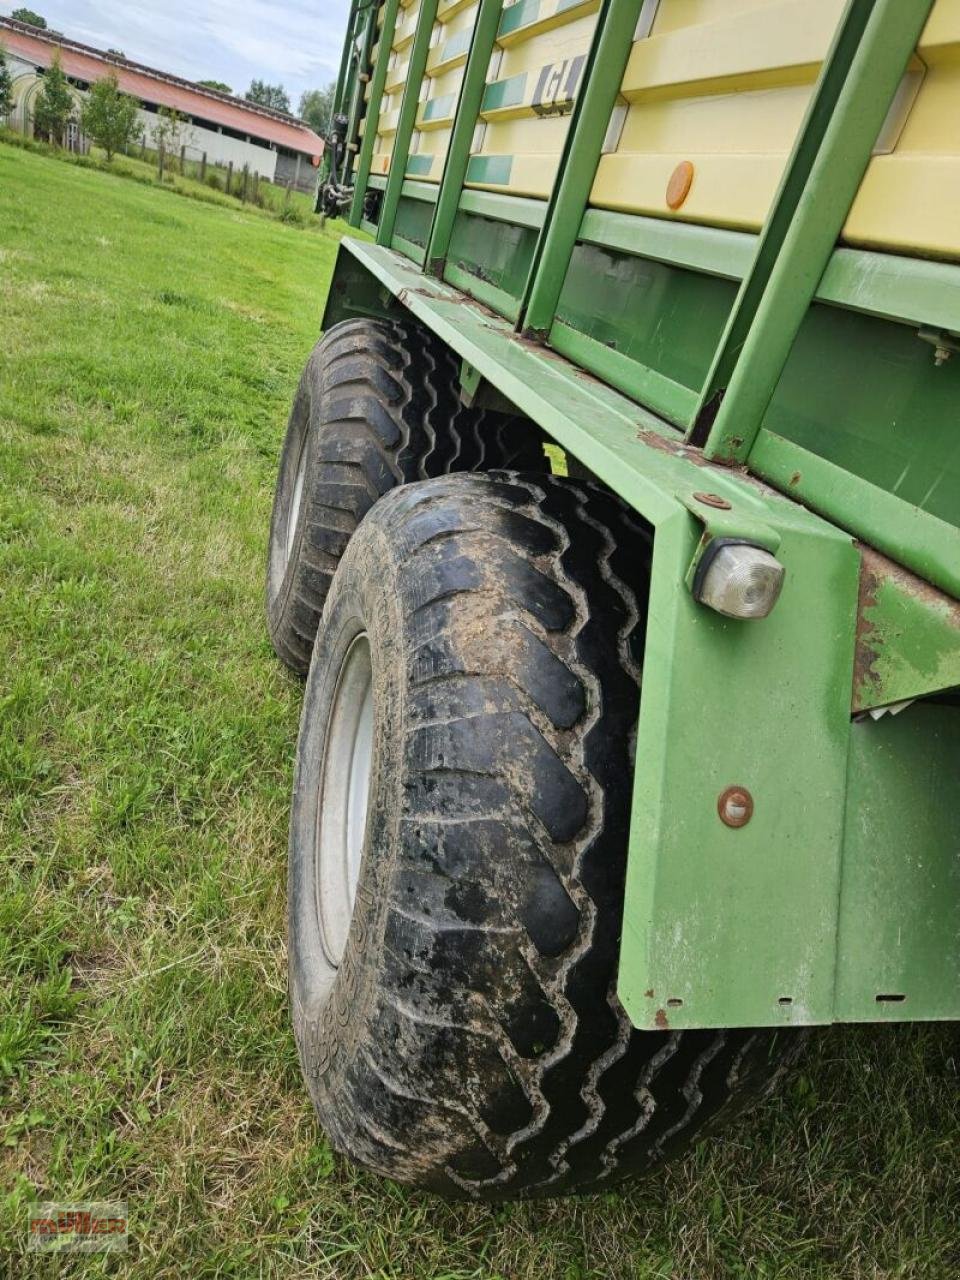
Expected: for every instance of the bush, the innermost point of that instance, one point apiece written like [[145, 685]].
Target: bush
[[295, 217], [214, 182], [109, 117]]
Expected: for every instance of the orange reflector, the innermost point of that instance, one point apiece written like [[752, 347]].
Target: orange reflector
[[678, 188]]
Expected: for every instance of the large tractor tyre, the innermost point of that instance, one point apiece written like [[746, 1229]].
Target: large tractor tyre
[[458, 847], [378, 406]]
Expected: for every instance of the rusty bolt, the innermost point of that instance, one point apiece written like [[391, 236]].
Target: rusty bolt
[[735, 806], [712, 500]]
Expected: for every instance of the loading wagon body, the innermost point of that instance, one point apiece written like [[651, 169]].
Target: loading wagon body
[[710, 249]]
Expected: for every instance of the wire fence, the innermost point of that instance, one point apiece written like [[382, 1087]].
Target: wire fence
[[243, 181]]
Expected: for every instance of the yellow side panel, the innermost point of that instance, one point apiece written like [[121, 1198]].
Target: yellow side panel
[[440, 92], [399, 56], [910, 198], [536, 72], [722, 84]]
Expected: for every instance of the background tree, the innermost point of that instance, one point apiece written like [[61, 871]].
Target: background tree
[[109, 117], [268, 95], [54, 106], [216, 84], [170, 131], [31, 18], [6, 86], [316, 107]]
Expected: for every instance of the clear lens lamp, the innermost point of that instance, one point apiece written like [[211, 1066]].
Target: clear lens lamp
[[738, 580]]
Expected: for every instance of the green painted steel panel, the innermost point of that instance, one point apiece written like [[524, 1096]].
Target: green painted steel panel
[[868, 396], [519, 15], [494, 254], [712, 250], [440, 108], [736, 927], [415, 252], [414, 219], [908, 637], [644, 384], [456, 46], [504, 93], [916, 539], [899, 929], [419, 166], [500, 207], [655, 316], [494, 170]]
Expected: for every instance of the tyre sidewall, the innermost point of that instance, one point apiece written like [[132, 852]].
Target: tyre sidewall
[[332, 1008], [281, 568]]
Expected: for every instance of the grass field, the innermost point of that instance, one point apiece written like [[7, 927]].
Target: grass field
[[149, 347]]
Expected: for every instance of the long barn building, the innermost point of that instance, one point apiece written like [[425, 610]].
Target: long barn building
[[273, 144]]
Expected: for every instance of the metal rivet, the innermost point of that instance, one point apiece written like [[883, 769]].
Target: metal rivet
[[712, 500], [678, 188], [735, 806]]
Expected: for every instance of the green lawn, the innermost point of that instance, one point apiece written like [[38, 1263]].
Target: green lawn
[[149, 346]]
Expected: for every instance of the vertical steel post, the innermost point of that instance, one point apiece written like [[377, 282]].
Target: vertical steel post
[[407, 118], [346, 56], [361, 77], [461, 136], [856, 87], [609, 53], [373, 110]]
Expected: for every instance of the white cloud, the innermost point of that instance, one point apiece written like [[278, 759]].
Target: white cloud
[[294, 42]]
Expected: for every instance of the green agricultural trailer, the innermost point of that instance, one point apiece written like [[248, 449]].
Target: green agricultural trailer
[[616, 533]]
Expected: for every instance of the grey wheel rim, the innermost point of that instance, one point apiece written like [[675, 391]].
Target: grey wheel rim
[[296, 500], [343, 799]]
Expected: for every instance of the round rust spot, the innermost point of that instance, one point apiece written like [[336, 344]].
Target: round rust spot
[[712, 500], [735, 806], [678, 188]]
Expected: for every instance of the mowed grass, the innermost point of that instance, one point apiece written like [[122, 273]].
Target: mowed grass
[[150, 348]]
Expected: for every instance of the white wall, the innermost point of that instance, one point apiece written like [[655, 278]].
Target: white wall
[[219, 148]]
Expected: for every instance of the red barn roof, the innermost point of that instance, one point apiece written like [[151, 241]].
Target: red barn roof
[[82, 62]]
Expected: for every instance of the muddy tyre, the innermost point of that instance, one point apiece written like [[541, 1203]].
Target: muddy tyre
[[378, 405], [457, 853]]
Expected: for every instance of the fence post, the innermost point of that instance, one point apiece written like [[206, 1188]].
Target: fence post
[[297, 178], [246, 179], [183, 159], [203, 168], [230, 178], [256, 186], [160, 161], [143, 145]]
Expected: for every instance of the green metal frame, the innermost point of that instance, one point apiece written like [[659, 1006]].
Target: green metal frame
[[366, 33], [874, 43], [461, 136], [781, 921], [603, 76], [378, 80], [408, 115]]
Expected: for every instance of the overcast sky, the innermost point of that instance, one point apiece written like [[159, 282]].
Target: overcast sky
[[295, 43]]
